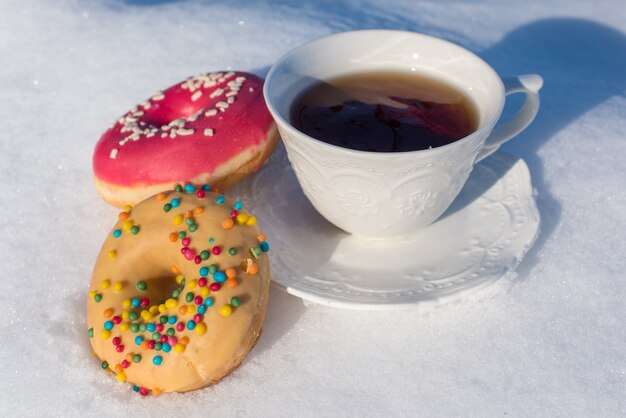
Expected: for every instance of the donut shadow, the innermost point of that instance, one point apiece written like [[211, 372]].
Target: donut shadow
[[283, 312]]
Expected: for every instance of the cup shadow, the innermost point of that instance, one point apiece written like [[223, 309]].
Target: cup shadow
[[568, 53]]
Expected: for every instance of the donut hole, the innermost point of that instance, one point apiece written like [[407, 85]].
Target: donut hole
[[176, 107], [160, 288]]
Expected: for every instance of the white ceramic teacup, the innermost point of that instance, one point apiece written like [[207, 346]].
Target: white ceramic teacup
[[382, 195]]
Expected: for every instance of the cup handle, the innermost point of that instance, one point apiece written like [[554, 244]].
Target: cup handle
[[530, 85]]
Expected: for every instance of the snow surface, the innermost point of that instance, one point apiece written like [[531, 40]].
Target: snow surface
[[551, 345]]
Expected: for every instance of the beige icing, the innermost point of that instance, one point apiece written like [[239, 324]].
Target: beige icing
[[149, 256]]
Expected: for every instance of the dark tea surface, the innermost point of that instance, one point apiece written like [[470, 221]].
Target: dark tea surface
[[384, 112]]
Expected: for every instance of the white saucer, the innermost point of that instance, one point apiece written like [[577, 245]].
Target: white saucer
[[482, 236]]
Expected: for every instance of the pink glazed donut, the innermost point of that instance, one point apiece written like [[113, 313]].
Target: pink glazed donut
[[212, 128]]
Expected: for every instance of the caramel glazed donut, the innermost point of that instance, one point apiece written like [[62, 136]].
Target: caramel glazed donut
[[179, 291], [213, 128]]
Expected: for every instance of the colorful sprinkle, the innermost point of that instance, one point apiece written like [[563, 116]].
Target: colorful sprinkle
[[204, 271], [227, 223], [232, 251], [105, 284], [112, 254], [265, 246], [142, 285], [231, 273], [167, 207], [105, 334], [171, 303], [235, 302], [256, 251], [97, 297], [136, 358], [237, 205], [220, 199], [117, 233], [90, 332], [219, 276], [134, 230], [226, 310], [178, 219], [200, 328], [117, 286], [105, 365]]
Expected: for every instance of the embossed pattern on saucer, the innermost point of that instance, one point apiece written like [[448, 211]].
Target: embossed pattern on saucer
[[481, 237]]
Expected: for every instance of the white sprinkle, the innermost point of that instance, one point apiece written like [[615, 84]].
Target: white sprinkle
[[196, 95], [180, 122], [216, 93], [164, 134], [240, 79], [185, 132], [208, 132], [221, 105], [231, 100], [158, 96], [113, 153], [150, 135], [231, 93], [173, 134], [251, 89], [211, 112]]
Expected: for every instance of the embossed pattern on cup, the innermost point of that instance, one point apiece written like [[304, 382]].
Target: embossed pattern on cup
[[361, 195]]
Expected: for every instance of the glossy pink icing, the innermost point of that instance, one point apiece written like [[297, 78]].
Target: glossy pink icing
[[147, 157]]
